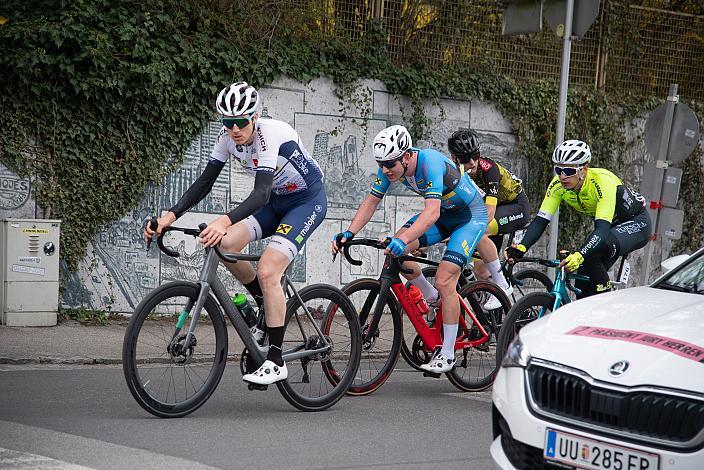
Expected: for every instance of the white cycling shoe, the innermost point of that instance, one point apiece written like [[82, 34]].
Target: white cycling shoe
[[439, 364], [267, 374], [493, 303]]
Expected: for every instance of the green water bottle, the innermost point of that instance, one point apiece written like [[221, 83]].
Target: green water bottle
[[248, 313]]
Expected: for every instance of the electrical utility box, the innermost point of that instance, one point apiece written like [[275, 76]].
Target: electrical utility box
[[29, 280]]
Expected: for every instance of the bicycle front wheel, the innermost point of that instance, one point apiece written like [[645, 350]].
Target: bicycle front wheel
[[380, 350], [527, 309], [317, 380], [526, 281], [476, 368], [167, 376]]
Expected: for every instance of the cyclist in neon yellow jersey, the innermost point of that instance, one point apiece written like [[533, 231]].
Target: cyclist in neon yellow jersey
[[621, 222]]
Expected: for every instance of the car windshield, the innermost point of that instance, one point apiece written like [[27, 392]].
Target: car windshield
[[689, 277]]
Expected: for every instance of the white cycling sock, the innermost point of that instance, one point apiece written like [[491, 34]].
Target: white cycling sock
[[449, 337], [496, 274], [430, 293]]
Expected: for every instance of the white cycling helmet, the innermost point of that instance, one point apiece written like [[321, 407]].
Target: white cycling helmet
[[238, 99], [571, 152], [391, 143]]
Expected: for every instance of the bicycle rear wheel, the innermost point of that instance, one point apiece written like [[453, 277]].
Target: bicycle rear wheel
[[317, 381], [167, 377], [476, 366], [524, 311], [380, 351]]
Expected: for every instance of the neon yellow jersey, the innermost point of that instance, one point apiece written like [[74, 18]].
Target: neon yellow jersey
[[602, 196]]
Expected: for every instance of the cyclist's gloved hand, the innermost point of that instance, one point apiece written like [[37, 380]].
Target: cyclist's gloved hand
[[342, 237], [573, 261], [396, 247], [516, 252], [339, 240]]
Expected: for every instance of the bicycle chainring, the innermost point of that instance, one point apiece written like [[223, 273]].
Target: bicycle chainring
[[418, 351]]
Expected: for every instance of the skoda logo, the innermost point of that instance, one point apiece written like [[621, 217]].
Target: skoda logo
[[619, 368]]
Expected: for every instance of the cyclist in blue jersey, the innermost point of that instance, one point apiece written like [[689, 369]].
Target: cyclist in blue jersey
[[287, 203], [453, 208]]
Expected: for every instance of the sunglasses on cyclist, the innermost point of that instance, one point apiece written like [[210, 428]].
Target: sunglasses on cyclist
[[240, 121], [389, 164], [566, 170]]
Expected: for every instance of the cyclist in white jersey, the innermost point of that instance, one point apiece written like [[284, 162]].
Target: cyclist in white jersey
[[288, 203]]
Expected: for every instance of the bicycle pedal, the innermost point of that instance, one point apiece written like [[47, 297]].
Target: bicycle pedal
[[257, 387], [431, 375]]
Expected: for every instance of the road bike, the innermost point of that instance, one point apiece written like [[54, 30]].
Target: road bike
[[175, 347], [524, 281], [537, 304], [380, 303]]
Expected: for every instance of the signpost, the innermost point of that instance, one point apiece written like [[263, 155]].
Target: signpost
[[671, 133], [561, 16]]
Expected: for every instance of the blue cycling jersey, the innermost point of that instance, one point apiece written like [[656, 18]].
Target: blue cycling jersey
[[463, 215], [436, 177]]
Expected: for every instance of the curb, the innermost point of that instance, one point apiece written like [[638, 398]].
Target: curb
[[59, 360]]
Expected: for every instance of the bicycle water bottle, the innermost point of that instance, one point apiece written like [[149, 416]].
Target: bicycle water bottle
[[417, 297], [248, 313]]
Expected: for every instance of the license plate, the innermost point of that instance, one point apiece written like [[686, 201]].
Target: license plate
[[587, 453]]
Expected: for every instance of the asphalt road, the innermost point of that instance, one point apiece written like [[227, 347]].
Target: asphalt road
[[63, 417]]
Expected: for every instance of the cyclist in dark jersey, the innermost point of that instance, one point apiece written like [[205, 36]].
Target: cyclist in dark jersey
[[505, 200], [621, 222], [288, 203], [453, 208]]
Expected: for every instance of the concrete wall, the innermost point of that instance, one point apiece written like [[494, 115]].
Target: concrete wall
[[118, 272]]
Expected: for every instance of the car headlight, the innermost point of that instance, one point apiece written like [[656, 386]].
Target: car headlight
[[517, 354]]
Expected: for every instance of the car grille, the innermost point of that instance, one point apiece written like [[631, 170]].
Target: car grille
[[645, 415]]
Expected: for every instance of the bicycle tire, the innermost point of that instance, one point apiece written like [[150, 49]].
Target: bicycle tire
[[379, 355], [476, 369], [317, 382], [524, 311], [541, 282], [147, 361]]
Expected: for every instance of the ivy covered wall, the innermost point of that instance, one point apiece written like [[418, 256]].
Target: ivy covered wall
[[100, 102]]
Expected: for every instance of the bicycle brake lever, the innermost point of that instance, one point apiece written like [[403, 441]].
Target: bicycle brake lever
[[153, 224]]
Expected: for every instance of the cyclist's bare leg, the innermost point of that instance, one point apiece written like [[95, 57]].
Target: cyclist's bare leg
[[480, 269], [235, 240], [487, 250], [270, 269], [446, 282], [446, 279]]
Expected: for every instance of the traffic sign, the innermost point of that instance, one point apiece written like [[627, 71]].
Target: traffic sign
[[585, 12], [522, 17], [684, 135]]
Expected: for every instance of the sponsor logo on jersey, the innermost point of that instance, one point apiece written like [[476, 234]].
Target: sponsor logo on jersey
[[429, 185], [283, 229], [306, 227], [298, 158], [485, 165], [318, 208], [290, 187], [262, 142], [631, 227], [239, 148], [378, 182], [465, 247], [598, 189]]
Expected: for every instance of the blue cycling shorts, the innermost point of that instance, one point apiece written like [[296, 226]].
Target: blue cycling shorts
[[464, 228]]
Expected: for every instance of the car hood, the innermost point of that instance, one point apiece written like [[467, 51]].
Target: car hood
[[660, 333]]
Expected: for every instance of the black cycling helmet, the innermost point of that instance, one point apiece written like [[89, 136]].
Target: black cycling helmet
[[464, 144]]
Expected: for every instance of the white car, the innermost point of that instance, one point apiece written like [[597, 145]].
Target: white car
[[614, 381]]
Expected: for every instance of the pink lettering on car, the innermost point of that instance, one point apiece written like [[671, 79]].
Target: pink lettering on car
[[675, 346]]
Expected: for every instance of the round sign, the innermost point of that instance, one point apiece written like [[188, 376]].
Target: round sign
[[684, 135], [14, 191]]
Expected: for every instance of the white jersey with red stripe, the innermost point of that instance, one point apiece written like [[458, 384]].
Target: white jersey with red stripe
[[276, 147]]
